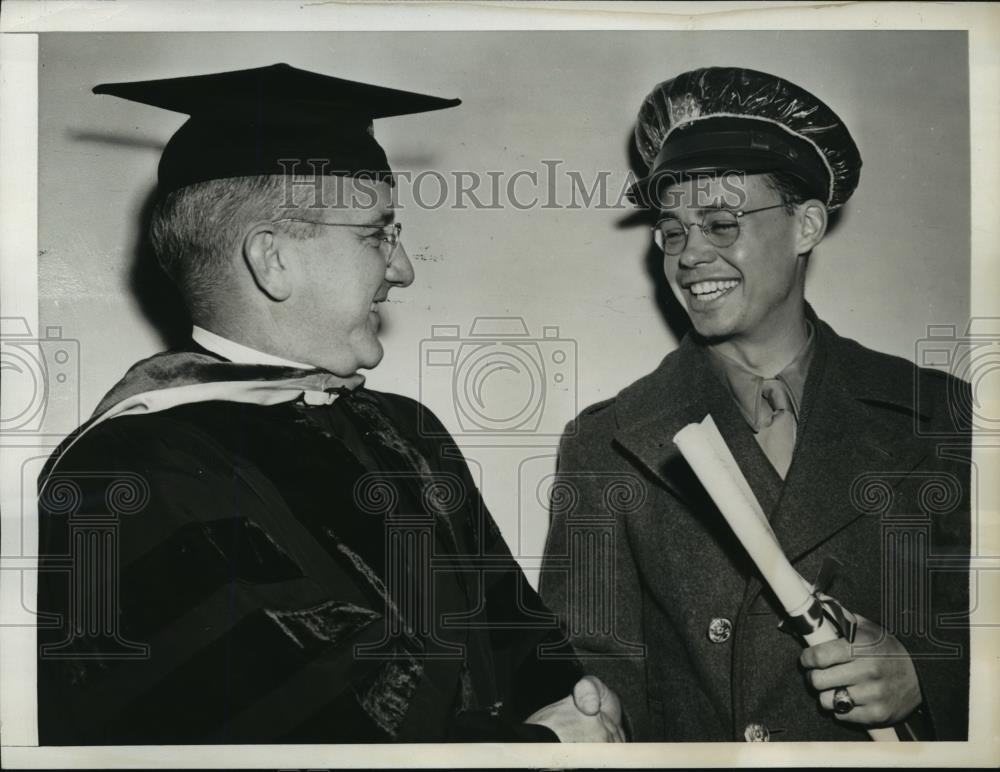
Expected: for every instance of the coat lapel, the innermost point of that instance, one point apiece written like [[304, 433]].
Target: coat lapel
[[683, 390], [653, 409], [843, 436]]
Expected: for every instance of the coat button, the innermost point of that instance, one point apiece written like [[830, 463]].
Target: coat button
[[719, 630], [756, 733]]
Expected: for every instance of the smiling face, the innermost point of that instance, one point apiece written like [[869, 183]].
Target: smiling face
[[752, 290], [340, 278]]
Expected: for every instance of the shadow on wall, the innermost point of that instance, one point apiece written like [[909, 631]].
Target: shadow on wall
[[156, 294], [673, 314]]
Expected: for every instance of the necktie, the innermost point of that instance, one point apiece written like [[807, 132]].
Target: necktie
[[776, 435]]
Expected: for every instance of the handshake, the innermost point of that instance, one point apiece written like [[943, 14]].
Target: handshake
[[591, 714]]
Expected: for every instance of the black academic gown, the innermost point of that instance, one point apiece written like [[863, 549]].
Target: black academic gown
[[233, 573]]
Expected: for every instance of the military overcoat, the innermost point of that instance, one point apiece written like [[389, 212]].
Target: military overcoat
[[661, 601]]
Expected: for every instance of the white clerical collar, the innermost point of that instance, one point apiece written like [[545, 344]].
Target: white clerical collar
[[237, 352]]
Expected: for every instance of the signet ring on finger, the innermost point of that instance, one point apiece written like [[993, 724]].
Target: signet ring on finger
[[842, 702]]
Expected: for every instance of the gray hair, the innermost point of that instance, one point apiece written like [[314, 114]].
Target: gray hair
[[195, 230]]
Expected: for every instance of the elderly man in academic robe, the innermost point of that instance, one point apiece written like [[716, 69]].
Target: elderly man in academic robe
[[246, 545], [859, 460]]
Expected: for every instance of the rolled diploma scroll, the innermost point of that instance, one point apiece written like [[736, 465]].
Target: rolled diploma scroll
[[715, 466]]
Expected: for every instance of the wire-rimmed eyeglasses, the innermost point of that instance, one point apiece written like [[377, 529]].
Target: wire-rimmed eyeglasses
[[720, 228], [388, 235]]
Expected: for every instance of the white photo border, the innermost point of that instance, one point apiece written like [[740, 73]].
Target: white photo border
[[20, 24]]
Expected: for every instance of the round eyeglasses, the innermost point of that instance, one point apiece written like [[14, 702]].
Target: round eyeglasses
[[388, 235], [721, 228]]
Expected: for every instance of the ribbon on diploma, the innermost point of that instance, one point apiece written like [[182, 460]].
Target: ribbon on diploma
[[823, 608]]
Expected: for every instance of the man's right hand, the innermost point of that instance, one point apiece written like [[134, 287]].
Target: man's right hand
[[592, 714]]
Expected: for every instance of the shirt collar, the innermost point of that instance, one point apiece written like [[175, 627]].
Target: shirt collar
[[746, 386], [237, 352]]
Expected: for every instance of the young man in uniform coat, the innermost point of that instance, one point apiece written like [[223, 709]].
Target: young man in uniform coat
[[245, 545], [859, 459]]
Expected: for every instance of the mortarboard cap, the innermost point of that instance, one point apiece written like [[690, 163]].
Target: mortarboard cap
[[718, 119], [246, 122]]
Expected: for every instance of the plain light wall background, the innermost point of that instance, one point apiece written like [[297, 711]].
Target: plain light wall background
[[897, 261]]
